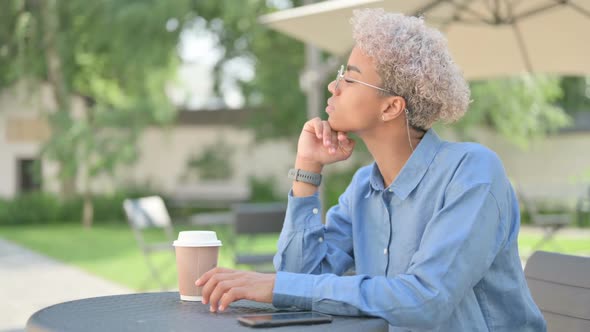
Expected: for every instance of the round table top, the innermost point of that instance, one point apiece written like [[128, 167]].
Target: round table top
[[166, 312]]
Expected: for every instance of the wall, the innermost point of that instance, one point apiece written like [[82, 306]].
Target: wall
[[16, 106], [23, 128], [165, 153]]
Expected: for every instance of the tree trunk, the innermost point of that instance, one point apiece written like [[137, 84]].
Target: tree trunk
[[50, 21], [88, 211], [88, 206]]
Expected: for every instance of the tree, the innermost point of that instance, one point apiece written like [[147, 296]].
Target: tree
[[117, 55], [519, 108], [576, 94], [277, 59]]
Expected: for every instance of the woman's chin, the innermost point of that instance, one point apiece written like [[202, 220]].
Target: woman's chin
[[337, 125]]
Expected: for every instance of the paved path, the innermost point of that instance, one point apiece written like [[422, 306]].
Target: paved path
[[29, 282]]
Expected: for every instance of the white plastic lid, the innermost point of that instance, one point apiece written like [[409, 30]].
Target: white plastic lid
[[197, 239]]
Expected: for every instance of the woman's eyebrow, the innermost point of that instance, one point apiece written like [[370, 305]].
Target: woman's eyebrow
[[353, 68]]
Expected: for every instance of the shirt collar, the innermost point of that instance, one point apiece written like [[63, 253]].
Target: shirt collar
[[414, 169]]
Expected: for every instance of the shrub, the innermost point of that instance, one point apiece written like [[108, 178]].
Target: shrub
[[30, 208], [336, 184], [583, 217], [47, 208], [264, 190]]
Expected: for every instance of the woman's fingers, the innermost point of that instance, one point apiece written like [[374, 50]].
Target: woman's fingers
[[207, 275], [334, 145], [225, 288], [347, 145], [317, 125], [210, 281], [327, 134], [342, 136], [222, 288], [231, 296]]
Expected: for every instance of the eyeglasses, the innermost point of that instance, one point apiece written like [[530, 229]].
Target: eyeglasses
[[340, 76]]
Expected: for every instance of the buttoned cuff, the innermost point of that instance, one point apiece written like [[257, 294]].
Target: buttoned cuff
[[303, 212], [293, 290]]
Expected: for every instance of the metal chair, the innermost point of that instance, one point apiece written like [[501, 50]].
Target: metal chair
[[254, 219], [560, 285], [148, 213], [550, 222]]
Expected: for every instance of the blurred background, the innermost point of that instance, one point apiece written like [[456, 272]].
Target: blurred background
[[201, 103]]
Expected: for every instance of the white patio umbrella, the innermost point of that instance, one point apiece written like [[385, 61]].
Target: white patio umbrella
[[487, 38]]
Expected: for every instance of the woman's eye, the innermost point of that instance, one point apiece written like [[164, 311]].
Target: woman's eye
[[347, 80]]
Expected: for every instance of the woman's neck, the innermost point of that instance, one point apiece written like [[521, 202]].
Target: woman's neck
[[391, 150]]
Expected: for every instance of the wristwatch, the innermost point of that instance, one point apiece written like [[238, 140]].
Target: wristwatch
[[300, 175]]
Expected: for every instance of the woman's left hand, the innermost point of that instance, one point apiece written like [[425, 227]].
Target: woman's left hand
[[223, 286]]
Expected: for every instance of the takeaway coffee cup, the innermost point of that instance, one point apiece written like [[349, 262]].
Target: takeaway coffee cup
[[196, 253]]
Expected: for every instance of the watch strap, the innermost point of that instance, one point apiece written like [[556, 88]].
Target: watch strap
[[300, 175]]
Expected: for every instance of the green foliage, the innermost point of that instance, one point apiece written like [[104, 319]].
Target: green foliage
[[30, 208], [264, 190], [583, 210], [575, 94], [214, 163], [519, 108], [336, 184], [48, 208], [117, 55], [278, 61]]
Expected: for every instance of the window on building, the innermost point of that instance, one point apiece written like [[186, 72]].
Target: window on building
[[29, 173], [21, 130]]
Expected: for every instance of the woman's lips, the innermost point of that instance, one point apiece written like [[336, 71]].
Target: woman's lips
[[329, 108]]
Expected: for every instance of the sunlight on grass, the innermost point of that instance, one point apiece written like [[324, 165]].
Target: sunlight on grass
[[560, 243], [111, 251]]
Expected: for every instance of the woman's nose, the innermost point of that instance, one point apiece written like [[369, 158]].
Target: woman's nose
[[332, 87]]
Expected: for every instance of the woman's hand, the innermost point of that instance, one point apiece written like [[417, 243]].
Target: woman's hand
[[223, 286], [320, 145]]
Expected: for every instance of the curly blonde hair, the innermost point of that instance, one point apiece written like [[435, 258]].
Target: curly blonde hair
[[413, 61]]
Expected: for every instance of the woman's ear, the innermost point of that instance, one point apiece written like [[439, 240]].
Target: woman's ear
[[393, 106]]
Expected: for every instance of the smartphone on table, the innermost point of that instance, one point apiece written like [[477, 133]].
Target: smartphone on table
[[284, 318]]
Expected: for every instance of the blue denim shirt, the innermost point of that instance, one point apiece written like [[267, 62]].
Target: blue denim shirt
[[435, 251]]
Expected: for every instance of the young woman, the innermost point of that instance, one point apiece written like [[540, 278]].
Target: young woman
[[430, 227]]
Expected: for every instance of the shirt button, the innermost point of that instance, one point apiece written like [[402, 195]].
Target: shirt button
[[315, 210], [390, 190], [385, 251], [321, 239]]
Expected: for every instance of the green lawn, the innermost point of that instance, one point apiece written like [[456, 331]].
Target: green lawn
[[111, 251], [561, 243]]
